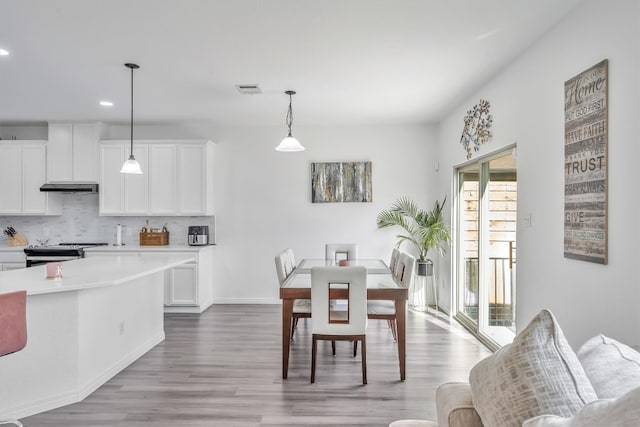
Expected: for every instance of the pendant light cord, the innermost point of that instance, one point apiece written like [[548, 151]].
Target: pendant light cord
[[290, 115]]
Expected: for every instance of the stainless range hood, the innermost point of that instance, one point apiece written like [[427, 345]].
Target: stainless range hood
[[70, 187]]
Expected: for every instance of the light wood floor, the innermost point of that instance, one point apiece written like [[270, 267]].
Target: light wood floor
[[223, 368]]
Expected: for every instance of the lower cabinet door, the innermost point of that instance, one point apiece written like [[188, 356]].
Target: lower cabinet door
[[182, 285], [8, 266]]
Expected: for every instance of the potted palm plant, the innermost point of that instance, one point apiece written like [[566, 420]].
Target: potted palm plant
[[425, 230]]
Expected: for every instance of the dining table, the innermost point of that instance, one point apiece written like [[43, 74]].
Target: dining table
[[381, 285]]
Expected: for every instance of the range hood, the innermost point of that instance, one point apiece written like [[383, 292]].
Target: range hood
[[70, 187]]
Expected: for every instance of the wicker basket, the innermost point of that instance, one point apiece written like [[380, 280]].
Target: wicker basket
[[154, 239]]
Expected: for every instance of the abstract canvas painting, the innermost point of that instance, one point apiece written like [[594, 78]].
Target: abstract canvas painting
[[337, 182]]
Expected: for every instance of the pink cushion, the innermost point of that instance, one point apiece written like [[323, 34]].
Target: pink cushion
[[13, 322]]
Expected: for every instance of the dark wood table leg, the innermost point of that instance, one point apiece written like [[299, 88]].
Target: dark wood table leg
[[287, 312], [401, 324]]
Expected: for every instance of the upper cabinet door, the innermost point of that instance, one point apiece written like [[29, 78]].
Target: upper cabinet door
[[111, 190], [10, 178], [34, 174], [136, 187], [192, 173], [73, 152], [162, 179], [85, 152], [60, 156]]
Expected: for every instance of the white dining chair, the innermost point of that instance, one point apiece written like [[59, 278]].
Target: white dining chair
[[395, 253], [350, 325], [386, 310], [341, 251], [285, 264]]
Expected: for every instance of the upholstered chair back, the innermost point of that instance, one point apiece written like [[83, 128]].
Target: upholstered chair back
[[284, 267], [406, 275], [13, 322], [338, 251], [395, 253], [354, 279]]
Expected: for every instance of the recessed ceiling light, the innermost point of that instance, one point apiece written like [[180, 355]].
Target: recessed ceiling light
[[106, 103], [4, 52], [487, 34]]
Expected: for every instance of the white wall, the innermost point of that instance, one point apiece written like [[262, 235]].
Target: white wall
[[263, 197], [527, 103]]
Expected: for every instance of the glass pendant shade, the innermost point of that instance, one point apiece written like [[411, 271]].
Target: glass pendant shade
[[131, 166], [290, 144]]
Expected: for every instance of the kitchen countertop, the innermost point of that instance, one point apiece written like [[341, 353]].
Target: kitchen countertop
[[138, 248], [13, 248], [94, 272]]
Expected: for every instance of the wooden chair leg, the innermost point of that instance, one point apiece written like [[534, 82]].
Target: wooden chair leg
[[333, 347], [293, 326], [363, 351], [355, 348], [394, 330], [313, 359]]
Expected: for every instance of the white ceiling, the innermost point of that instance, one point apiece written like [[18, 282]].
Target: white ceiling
[[351, 61]]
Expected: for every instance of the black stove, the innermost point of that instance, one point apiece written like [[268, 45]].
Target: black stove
[[37, 255]]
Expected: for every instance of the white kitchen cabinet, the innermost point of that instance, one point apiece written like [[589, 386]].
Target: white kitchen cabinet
[[111, 190], [8, 266], [12, 259], [136, 187], [162, 179], [73, 152], [34, 174], [189, 287], [195, 179], [123, 194], [181, 287], [23, 169], [177, 178], [10, 178]]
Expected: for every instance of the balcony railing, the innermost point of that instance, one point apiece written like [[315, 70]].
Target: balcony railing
[[501, 291]]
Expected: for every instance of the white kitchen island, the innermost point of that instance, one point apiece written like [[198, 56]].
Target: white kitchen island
[[104, 313]]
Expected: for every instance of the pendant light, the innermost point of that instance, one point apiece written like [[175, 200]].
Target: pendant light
[[290, 143], [131, 165]]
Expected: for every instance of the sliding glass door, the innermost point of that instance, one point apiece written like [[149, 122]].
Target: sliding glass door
[[486, 241]]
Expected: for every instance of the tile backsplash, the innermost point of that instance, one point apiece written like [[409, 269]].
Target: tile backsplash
[[80, 222]]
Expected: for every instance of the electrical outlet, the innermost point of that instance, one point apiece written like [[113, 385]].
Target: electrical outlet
[[526, 220], [129, 231], [121, 328]]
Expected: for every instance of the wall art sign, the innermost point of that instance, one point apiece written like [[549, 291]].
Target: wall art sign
[[476, 127], [586, 132], [337, 182]]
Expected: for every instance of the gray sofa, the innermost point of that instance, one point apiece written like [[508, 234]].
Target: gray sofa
[[539, 381]]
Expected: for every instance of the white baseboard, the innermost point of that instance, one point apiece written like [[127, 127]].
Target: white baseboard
[[247, 301], [41, 405]]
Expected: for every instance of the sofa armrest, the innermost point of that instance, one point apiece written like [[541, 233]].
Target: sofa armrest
[[455, 407]]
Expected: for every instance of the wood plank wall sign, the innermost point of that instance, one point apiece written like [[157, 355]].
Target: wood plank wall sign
[[337, 182], [586, 163]]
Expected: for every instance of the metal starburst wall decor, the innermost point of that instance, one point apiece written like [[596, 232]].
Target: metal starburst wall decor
[[476, 127]]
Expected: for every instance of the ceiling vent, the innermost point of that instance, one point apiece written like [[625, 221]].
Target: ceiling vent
[[249, 89]]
